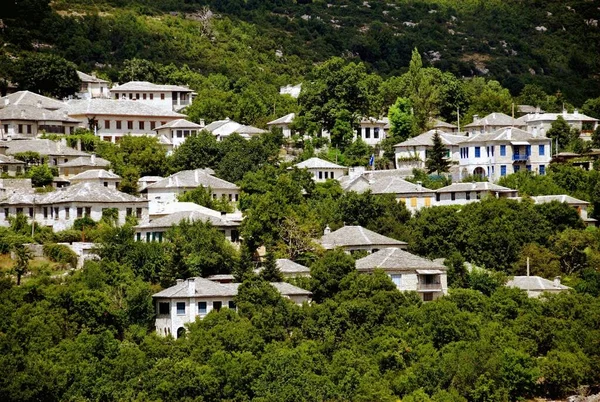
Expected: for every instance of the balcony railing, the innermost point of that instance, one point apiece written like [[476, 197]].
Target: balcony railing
[[429, 286], [520, 157]]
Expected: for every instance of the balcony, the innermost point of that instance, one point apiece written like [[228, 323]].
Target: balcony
[[520, 158], [429, 286]]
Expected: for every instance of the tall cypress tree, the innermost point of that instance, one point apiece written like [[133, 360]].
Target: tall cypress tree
[[436, 161], [271, 272]]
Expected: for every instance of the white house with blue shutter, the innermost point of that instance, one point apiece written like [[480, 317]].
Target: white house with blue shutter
[[502, 152]]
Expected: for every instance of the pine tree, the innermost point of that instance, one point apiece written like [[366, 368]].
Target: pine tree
[[271, 272], [245, 266], [436, 161]]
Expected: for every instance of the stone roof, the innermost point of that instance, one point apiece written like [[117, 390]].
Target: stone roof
[[541, 199], [175, 218], [394, 258], [89, 192], [495, 119], [207, 288], [34, 113], [90, 78], [43, 147], [27, 98], [287, 119], [437, 123], [318, 163], [9, 160], [180, 123], [535, 283], [426, 139], [148, 87], [474, 186], [83, 161], [95, 174], [506, 134], [348, 236], [396, 185], [110, 107], [538, 117], [192, 179], [529, 109], [288, 267]]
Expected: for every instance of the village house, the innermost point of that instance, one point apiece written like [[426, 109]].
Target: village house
[[491, 123], [174, 133], [155, 230], [444, 127], [82, 164], [540, 123], [111, 119], [194, 298], [57, 152], [26, 115], [371, 130], [408, 272], [222, 129], [92, 86], [464, 193], [535, 286], [414, 151], [165, 191], [502, 152], [284, 124], [98, 176], [579, 205], [164, 97], [9, 165], [322, 170], [59, 209], [357, 238]]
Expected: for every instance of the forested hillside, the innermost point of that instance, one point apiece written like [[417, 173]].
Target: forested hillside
[[550, 43]]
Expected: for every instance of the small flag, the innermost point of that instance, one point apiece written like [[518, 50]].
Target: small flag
[[372, 160]]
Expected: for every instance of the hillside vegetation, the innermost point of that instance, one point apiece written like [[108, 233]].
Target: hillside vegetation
[[550, 43]]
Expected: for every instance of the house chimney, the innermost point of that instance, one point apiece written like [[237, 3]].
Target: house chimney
[[223, 213], [191, 286], [196, 176], [475, 118], [23, 113], [179, 281], [576, 112], [202, 122], [327, 230], [79, 144], [509, 133], [39, 104], [93, 159], [170, 181], [557, 281], [527, 266], [564, 112], [6, 102], [419, 185]]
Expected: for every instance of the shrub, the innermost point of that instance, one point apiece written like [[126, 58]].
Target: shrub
[[60, 253]]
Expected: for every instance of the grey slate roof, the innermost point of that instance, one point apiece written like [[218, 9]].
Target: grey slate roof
[[287, 119], [89, 192], [148, 87], [175, 218], [506, 134], [394, 258], [9, 160], [426, 139], [29, 98], [90, 78], [317, 163], [192, 179], [348, 236], [537, 117], [541, 199], [34, 113], [288, 267], [534, 283], [207, 288], [475, 186], [85, 161], [437, 123], [104, 107], [495, 119], [43, 147], [95, 174], [180, 123], [396, 185]]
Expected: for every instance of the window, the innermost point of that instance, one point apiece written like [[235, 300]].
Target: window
[[320, 174], [231, 305], [502, 170], [31, 212], [528, 167], [502, 150], [6, 129], [453, 196], [397, 279], [5, 169], [79, 212], [138, 236], [162, 96], [376, 132], [107, 124], [141, 125], [6, 213], [88, 211], [487, 150], [528, 150], [20, 129], [478, 152], [437, 197], [151, 96], [179, 133], [19, 211], [163, 307], [427, 201], [542, 150], [468, 195], [235, 236], [138, 213], [118, 124], [152, 125], [331, 175], [129, 211], [137, 96], [478, 195], [105, 184], [45, 212], [217, 305], [148, 238], [144, 96], [413, 202], [368, 132], [55, 212], [517, 168], [428, 296], [29, 129], [202, 308], [542, 169], [180, 308], [326, 175], [130, 96], [129, 124], [492, 147]]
